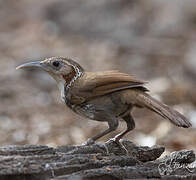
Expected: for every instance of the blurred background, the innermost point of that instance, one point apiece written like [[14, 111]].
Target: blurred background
[[154, 40]]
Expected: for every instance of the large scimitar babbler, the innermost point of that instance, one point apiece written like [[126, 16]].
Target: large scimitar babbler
[[103, 96]]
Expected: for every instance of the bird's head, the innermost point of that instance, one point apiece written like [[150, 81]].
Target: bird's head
[[63, 70]]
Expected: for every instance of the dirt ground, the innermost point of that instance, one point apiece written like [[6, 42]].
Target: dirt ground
[[154, 40]]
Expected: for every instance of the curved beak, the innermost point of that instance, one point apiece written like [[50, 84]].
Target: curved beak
[[36, 64]]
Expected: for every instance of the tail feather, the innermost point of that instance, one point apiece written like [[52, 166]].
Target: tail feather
[[163, 110]]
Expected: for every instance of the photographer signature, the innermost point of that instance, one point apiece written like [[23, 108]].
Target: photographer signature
[[173, 163]]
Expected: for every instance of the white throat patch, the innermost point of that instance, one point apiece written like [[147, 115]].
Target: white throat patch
[[61, 86]]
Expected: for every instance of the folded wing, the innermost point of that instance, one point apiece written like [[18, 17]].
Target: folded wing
[[101, 83]]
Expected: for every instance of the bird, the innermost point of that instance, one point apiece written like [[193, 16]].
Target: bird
[[106, 96]]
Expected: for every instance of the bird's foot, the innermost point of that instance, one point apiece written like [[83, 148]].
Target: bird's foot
[[88, 142], [92, 142], [119, 143]]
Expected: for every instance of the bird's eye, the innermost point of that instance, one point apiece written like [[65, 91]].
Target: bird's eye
[[56, 63]]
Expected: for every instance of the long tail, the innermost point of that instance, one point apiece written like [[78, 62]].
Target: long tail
[[163, 110]]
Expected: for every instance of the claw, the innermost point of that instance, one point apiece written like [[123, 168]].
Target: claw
[[101, 146], [106, 148], [117, 141]]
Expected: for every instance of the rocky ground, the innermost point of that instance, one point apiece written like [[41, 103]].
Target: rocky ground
[[154, 40], [99, 161]]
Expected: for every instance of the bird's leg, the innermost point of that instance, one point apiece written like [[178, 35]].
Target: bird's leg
[[130, 126], [112, 123]]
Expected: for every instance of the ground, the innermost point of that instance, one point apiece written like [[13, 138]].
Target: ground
[[153, 40]]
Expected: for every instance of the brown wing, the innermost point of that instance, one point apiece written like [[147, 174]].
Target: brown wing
[[93, 84]]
